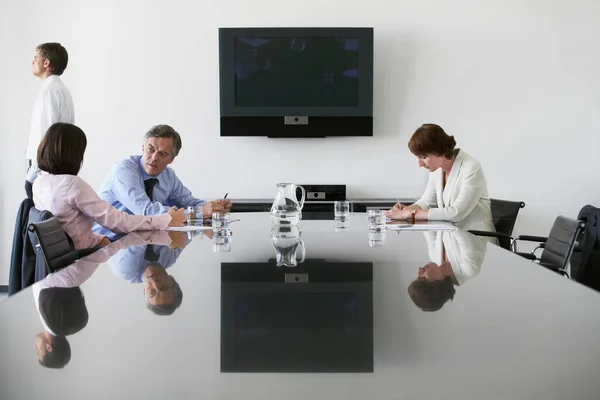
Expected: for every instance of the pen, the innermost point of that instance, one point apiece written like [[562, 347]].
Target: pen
[[399, 205], [224, 197]]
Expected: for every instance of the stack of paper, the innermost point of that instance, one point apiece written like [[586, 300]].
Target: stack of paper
[[420, 226]]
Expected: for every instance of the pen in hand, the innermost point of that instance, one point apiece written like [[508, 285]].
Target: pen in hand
[[225, 197]]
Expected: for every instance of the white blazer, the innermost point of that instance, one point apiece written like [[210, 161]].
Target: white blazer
[[464, 201], [465, 252]]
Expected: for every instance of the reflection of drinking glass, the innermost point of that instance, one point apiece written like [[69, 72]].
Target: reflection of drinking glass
[[341, 209], [194, 215], [221, 223], [341, 224], [377, 238], [222, 243], [376, 219]]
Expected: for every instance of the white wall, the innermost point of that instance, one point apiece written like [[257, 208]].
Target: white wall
[[515, 81]]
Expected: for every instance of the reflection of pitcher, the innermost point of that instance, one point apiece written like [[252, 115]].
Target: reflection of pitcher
[[286, 210], [286, 240]]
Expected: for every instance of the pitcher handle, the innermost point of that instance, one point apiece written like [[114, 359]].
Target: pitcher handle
[[303, 253], [303, 195]]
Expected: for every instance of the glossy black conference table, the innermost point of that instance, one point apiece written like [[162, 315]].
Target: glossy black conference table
[[340, 325]]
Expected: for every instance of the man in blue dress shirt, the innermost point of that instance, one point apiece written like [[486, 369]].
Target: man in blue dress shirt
[[145, 185]]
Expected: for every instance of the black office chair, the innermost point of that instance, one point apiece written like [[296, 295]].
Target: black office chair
[[585, 261], [504, 216], [557, 247], [54, 246]]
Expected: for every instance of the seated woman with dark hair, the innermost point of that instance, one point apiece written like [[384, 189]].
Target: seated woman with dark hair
[[59, 190], [457, 190], [456, 257]]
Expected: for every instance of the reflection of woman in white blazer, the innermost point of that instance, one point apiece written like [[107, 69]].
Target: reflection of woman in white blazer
[[456, 191], [456, 256]]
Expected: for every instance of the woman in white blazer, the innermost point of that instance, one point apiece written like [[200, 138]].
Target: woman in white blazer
[[456, 192]]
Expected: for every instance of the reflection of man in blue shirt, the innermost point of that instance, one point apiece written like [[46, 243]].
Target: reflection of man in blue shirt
[[145, 185], [146, 264]]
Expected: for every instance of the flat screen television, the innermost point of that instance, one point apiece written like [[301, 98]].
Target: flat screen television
[[296, 82]]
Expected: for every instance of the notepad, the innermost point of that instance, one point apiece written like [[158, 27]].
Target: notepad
[[420, 226], [189, 228]]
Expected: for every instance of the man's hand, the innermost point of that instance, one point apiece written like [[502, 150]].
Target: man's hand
[[177, 216], [177, 240], [220, 206]]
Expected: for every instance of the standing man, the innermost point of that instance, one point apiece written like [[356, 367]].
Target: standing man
[[145, 185], [54, 102]]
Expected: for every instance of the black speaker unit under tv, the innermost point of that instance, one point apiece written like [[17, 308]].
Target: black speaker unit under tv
[[296, 82]]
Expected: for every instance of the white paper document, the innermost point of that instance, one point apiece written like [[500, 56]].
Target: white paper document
[[189, 228], [420, 226]]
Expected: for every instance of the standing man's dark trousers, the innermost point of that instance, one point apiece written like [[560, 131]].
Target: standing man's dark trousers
[[29, 186]]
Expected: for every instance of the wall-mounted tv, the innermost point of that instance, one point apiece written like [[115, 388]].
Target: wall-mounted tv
[[296, 82]]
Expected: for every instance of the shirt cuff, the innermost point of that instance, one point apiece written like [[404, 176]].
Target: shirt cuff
[[422, 205], [99, 238], [161, 222]]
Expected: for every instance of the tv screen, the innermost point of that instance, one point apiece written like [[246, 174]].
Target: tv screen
[[276, 71], [296, 82]]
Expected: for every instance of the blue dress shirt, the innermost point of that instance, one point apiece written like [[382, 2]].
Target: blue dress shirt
[[124, 189], [130, 263]]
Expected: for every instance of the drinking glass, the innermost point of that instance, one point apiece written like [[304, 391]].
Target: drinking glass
[[221, 224], [376, 220], [194, 215], [341, 209]]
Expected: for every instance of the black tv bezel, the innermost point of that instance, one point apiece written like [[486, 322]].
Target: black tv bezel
[[322, 120]]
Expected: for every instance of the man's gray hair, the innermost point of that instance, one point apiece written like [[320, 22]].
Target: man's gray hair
[[165, 131]]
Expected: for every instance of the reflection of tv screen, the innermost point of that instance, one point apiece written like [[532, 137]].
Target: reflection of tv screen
[[268, 325], [294, 82], [273, 326]]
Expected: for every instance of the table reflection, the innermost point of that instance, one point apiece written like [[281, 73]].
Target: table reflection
[[61, 304], [147, 263]]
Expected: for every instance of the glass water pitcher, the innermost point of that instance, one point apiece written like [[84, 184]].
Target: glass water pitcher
[[286, 209]]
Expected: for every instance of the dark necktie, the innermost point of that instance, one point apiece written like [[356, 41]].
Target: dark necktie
[[150, 254], [149, 186]]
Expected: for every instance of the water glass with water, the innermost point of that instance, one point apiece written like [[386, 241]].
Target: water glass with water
[[376, 220], [194, 215], [221, 224], [341, 209]]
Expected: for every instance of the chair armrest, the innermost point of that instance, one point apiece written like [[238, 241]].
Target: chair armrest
[[528, 256], [549, 266], [489, 234], [533, 238]]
